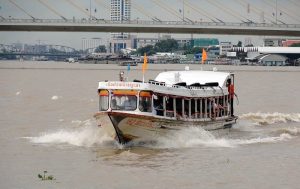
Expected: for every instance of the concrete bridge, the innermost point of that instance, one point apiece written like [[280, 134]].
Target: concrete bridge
[[140, 26]]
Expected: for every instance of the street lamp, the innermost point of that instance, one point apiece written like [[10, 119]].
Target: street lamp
[[182, 10], [276, 12]]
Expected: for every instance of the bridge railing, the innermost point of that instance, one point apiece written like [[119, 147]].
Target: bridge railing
[[144, 22]]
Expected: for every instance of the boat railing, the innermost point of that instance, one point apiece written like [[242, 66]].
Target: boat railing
[[178, 86]]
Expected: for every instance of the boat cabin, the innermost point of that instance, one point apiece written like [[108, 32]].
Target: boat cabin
[[183, 95]]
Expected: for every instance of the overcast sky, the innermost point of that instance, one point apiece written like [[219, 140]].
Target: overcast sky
[[197, 10]]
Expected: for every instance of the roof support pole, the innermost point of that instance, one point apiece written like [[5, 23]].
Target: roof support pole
[[201, 113], [182, 109], [174, 107], [210, 107], [196, 111], [205, 108], [164, 106], [190, 108]]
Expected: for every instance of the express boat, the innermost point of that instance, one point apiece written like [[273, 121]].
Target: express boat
[[172, 101]]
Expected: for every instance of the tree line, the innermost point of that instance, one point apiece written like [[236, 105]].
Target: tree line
[[168, 45]]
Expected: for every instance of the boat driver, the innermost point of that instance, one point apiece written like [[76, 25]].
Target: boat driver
[[230, 87]]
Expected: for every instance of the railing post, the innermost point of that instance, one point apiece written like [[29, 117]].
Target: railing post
[[174, 106]]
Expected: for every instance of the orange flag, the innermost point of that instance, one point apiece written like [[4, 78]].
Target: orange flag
[[204, 56], [145, 63]]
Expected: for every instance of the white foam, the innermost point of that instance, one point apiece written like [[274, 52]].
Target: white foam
[[55, 97], [194, 136], [88, 135], [190, 137], [271, 118], [76, 121], [282, 137]]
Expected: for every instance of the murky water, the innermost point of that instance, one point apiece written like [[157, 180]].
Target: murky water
[[47, 124]]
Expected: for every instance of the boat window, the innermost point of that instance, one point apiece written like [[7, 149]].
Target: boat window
[[170, 107], [179, 110], [103, 100], [145, 101], [123, 100], [194, 108], [158, 104], [186, 108]]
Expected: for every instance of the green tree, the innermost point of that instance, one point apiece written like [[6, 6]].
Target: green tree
[[239, 44], [149, 50], [100, 49], [168, 45], [194, 50]]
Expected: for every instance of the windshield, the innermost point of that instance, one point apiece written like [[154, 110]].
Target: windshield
[[123, 102]]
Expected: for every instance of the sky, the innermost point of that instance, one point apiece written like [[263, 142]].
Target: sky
[[166, 10]]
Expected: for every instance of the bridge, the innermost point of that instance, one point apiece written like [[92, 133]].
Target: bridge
[[147, 26]]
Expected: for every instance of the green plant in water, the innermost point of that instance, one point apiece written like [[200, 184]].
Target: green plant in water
[[45, 177]]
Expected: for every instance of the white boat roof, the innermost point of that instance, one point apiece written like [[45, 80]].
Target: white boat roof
[[191, 76]]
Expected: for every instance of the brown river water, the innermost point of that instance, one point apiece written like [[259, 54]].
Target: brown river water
[[47, 124]]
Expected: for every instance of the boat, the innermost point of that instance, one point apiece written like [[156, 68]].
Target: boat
[[128, 62], [172, 101]]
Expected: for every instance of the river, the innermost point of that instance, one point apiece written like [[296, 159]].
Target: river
[[47, 124]]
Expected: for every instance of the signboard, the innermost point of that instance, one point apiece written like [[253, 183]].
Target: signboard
[[231, 54]]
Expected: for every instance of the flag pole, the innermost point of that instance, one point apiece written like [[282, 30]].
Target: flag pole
[[144, 67], [128, 69]]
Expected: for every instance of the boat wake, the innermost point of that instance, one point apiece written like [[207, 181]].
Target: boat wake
[[84, 134], [87, 134], [193, 137], [271, 118]]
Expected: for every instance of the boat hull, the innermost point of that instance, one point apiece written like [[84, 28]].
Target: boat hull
[[125, 127]]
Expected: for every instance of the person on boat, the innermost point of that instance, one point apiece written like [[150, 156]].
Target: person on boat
[[114, 104], [130, 103], [217, 109], [121, 75], [158, 105], [230, 87]]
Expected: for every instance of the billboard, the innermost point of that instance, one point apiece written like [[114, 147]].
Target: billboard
[[231, 54]]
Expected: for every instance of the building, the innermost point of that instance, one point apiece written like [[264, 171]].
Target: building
[[143, 42], [204, 42], [273, 42], [288, 42], [120, 11], [116, 45], [225, 47], [90, 44], [271, 60]]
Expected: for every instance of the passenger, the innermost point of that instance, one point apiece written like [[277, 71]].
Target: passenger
[[113, 104], [130, 103], [230, 87], [121, 75], [217, 109], [144, 106], [159, 110]]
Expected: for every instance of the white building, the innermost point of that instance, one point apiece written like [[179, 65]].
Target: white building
[[91, 44], [225, 47], [120, 11]]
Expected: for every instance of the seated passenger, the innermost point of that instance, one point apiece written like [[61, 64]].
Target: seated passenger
[[113, 104], [130, 103], [159, 110]]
